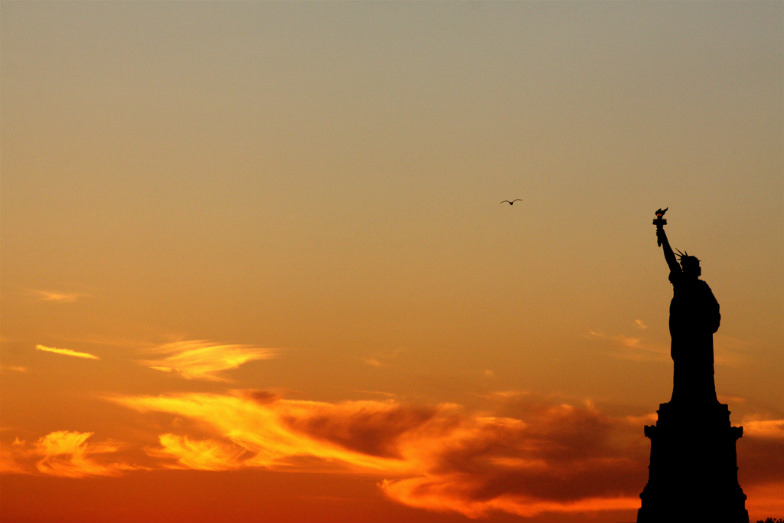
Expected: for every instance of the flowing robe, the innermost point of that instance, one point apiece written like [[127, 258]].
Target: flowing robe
[[694, 317]]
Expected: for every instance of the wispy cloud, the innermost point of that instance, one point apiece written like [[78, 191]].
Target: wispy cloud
[[67, 352], [61, 453], [761, 450], [729, 352], [12, 368], [632, 347], [204, 454], [66, 453], [455, 495], [201, 359], [383, 359], [764, 428], [59, 297], [373, 362]]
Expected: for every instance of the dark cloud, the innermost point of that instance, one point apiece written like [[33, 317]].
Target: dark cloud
[[371, 428]]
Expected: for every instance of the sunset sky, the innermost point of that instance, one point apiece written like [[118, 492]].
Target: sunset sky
[[255, 268]]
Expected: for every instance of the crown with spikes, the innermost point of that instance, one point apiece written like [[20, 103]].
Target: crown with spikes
[[685, 256]]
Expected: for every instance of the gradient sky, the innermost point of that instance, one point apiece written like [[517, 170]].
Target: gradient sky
[[255, 268]]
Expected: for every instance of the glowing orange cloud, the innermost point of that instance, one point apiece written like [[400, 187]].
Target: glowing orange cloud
[[437, 458], [445, 494], [67, 352], [537, 457], [66, 453], [765, 428], [274, 433], [203, 454], [200, 359], [62, 453]]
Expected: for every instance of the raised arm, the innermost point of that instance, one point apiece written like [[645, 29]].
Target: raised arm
[[669, 256]]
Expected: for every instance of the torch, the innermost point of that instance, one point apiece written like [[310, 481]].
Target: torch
[[660, 222]]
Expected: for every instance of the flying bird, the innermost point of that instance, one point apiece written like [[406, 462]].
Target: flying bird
[[511, 202]]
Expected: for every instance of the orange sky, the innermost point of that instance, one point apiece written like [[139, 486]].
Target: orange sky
[[255, 267]]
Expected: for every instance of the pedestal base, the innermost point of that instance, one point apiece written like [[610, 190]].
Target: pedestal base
[[693, 474]]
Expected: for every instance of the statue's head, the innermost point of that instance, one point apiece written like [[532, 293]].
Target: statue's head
[[690, 265]]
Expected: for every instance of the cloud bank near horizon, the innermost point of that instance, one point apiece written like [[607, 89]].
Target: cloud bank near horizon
[[538, 456]]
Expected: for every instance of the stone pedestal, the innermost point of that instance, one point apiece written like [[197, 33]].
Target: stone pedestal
[[693, 474]]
